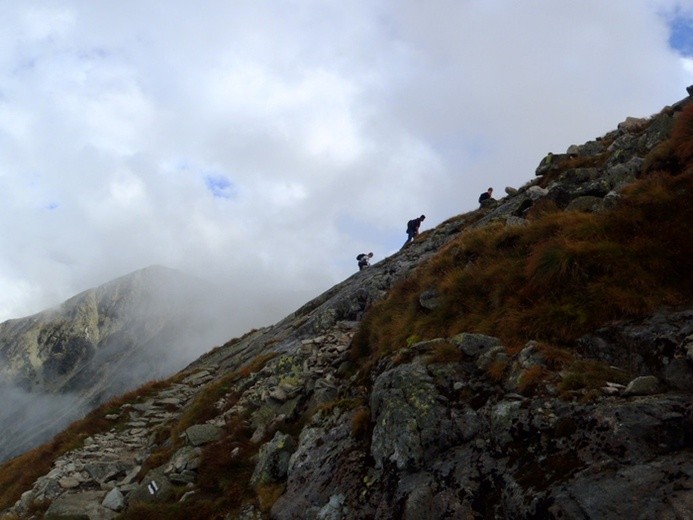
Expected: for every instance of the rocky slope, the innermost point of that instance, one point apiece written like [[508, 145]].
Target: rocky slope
[[302, 421], [60, 363]]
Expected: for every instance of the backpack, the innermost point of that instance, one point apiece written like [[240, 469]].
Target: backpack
[[411, 225], [360, 257]]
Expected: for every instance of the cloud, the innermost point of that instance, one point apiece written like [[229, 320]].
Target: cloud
[[264, 146]]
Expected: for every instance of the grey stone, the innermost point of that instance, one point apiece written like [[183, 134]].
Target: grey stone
[[513, 221], [79, 506], [199, 434], [273, 460], [587, 204], [333, 510], [643, 385], [114, 500], [410, 418], [573, 150], [688, 348], [188, 457], [104, 471], [429, 299], [474, 344], [154, 488], [488, 356], [68, 482], [536, 192], [632, 124]]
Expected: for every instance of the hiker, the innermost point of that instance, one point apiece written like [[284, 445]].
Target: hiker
[[413, 228], [364, 260], [487, 195]]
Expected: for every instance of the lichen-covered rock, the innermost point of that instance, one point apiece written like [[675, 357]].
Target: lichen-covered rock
[[273, 460], [412, 419], [327, 462]]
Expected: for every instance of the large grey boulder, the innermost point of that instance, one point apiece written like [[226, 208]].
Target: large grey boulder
[[79, 506], [413, 420]]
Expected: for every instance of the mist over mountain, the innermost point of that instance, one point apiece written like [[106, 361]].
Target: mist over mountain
[[60, 363]]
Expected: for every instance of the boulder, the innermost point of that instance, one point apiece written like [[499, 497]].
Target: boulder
[[199, 434], [429, 299], [536, 192], [474, 344], [412, 419], [587, 204], [114, 500], [79, 506], [643, 385], [273, 460], [154, 488]]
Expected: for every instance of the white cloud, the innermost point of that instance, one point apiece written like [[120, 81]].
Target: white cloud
[[264, 146]]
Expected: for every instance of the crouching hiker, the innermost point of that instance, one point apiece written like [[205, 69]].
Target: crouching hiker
[[364, 260], [413, 228], [487, 195]]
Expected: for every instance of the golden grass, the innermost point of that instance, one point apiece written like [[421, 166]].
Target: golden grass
[[268, 494], [557, 278], [444, 353], [496, 369], [360, 422], [590, 375], [530, 379]]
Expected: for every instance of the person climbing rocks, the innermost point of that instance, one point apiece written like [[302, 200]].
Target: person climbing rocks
[[487, 195], [413, 228], [364, 260]]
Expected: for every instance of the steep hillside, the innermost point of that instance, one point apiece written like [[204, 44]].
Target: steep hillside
[[61, 363], [531, 359]]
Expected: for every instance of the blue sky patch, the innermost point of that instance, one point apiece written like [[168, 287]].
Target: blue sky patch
[[681, 36], [220, 186]]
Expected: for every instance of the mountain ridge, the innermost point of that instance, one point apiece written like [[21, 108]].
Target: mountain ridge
[[87, 348], [395, 394]]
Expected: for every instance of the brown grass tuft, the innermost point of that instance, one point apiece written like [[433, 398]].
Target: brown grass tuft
[[530, 379], [268, 494], [445, 353], [360, 423], [590, 375], [496, 369]]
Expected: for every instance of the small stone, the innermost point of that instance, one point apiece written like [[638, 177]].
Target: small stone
[[643, 385], [200, 434], [114, 500], [68, 482]]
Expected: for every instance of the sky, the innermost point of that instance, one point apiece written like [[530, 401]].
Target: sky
[[264, 144]]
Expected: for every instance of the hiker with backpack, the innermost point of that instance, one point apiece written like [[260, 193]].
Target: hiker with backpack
[[413, 228], [487, 195], [364, 260]]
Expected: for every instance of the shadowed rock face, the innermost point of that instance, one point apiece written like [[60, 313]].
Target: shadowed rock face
[[98, 344]]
